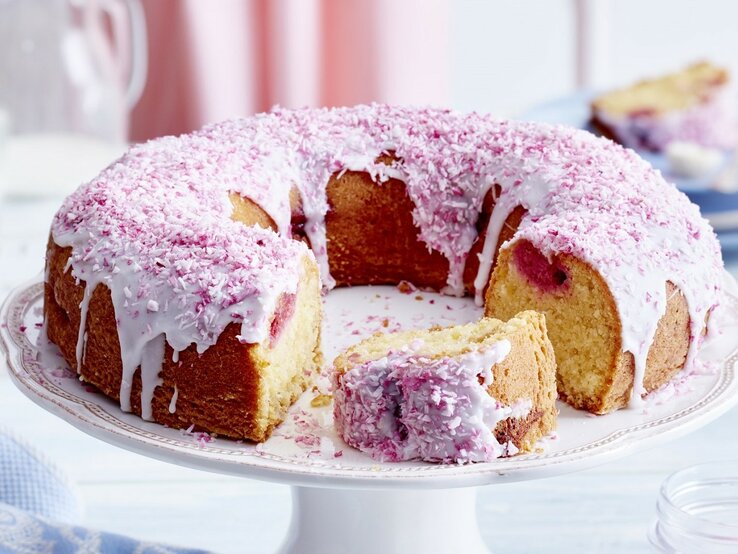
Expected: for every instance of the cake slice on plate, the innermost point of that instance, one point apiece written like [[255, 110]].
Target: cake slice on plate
[[696, 105], [468, 393]]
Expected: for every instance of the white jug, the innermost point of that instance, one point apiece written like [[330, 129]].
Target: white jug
[[70, 72]]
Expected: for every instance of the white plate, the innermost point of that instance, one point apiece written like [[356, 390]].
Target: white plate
[[292, 455]]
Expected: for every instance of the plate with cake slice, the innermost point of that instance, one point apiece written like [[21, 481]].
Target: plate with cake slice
[[685, 124]]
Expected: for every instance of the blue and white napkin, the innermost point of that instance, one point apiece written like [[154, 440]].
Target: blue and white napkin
[[40, 510]]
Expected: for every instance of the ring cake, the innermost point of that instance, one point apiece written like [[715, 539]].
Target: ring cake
[[183, 281], [469, 393]]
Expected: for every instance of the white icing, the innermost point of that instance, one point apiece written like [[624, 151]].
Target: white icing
[[82, 331], [173, 401], [138, 325], [638, 286], [481, 362], [151, 361], [84, 347], [529, 194]]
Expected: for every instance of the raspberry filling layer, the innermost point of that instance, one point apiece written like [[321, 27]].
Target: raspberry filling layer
[[536, 268], [283, 313]]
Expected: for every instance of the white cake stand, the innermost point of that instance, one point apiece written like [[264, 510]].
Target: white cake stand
[[344, 501]]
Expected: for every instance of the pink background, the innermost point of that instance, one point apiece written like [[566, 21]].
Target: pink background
[[209, 61]]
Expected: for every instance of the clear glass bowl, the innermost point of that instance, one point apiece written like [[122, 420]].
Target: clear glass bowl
[[697, 510]]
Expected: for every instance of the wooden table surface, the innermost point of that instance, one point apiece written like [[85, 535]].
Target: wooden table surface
[[606, 509]]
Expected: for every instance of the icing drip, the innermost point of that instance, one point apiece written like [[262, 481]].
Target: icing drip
[[173, 401], [529, 194], [408, 406], [151, 362], [84, 347], [155, 226], [82, 331]]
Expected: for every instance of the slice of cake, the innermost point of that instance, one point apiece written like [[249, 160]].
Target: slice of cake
[[596, 368], [469, 393], [696, 104]]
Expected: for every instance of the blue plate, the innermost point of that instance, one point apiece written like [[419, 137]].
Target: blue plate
[[720, 208]]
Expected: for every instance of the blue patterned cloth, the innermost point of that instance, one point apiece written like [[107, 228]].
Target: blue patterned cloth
[[40, 510], [22, 533], [30, 482]]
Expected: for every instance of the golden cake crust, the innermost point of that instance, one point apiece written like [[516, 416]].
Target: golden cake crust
[[220, 390], [387, 249]]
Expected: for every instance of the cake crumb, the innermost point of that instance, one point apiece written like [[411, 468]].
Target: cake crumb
[[321, 400], [405, 287]]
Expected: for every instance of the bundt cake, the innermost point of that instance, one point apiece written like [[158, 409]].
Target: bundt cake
[[697, 105], [468, 393], [183, 280]]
